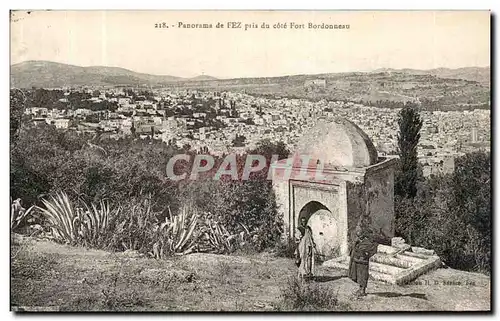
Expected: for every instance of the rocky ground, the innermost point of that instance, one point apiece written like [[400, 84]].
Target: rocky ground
[[50, 276]]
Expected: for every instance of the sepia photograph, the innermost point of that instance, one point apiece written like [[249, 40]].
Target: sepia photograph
[[250, 161]]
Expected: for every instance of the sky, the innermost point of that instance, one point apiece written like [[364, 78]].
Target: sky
[[376, 39]]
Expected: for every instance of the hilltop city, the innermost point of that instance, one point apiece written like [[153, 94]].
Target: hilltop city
[[231, 122]]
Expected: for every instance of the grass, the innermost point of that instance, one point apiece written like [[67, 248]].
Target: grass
[[47, 274], [51, 275], [286, 249], [116, 294], [33, 267], [307, 296], [264, 269], [223, 272]]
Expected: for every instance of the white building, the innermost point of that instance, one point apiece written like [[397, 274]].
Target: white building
[[61, 123]]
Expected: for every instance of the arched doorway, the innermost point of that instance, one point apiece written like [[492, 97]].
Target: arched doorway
[[309, 209], [324, 226]]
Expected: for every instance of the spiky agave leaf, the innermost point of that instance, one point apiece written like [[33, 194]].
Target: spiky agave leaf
[[189, 233], [55, 220], [19, 215], [213, 236], [97, 221], [184, 228], [245, 228], [61, 216], [175, 225], [71, 217]]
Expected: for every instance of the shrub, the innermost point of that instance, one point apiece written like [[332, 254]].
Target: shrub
[[215, 238], [70, 223], [45, 160], [300, 295], [19, 215], [133, 228], [233, 203], [128, 174], [286, 249], [64, 219], [95, 228], [176, 234], [451, 214]]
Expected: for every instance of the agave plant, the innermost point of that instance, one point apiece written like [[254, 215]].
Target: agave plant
[[18, 214], [86, 225], [63, 219], [176, 235], [95, 223], [133, 227], [219, 240]]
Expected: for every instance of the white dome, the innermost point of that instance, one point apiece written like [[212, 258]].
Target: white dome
[[338, 143]]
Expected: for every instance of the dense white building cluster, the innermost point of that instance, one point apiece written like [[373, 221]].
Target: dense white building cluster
[[180, 117]]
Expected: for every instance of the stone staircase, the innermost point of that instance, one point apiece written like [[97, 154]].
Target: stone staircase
[[395, 264]]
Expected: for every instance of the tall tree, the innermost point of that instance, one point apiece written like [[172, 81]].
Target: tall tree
[[18, 101], [471, 204], [410, 123]]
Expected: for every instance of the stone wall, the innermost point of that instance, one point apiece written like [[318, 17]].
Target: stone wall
[[379, 188], [356, 208], [281, 191]]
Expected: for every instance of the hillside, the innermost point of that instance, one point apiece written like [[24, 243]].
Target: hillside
[[202, 78], [48, 74], [50, 276], [479, 74], [51, 74], [438, 89]]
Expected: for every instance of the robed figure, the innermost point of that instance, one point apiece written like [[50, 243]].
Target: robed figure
[[364, 246], [305, 252]]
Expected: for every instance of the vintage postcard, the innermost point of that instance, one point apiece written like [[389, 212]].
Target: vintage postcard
[[250, 161]]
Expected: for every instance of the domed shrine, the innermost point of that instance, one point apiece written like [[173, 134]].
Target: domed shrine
[[338, 143], [335, 180]]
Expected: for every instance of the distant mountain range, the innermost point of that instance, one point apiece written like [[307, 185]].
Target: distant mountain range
[[479, 74], [51, 74]]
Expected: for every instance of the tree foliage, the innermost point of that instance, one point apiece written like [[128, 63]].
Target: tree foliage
[[452, 214], [18, 102], [127, 172], [408, 137]]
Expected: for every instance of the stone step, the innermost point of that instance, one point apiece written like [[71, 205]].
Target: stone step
[[421, 250], [417, 270], [382, 277], [373, 266], [391, 260], [387, 249], [410, 258], [418, 255], [393, 268], [384, 268], [376, 273]]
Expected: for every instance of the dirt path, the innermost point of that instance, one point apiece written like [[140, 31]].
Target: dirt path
[[68, 278]]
